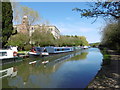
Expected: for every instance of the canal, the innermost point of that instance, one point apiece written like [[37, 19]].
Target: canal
[[66, 70]]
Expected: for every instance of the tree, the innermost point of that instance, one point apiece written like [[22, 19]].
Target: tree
[[17, 17], [111, 35], [0, 24], [71, 41], [19, 39], [104, 9], [42, 37], [30, 16], [95, 44], [83, 41], [33, 15], [7, 24], [111, 32]]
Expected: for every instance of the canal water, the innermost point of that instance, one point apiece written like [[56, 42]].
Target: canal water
[[66, 70]]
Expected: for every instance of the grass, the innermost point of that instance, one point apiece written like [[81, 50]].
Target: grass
[[23, 52], [106, 57]]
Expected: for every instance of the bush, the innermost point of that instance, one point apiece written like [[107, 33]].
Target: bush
[[27, 47]]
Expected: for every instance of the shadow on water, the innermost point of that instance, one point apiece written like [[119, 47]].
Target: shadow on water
[[56, 73]]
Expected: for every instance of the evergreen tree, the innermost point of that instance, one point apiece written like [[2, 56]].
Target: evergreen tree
[[7, 25]]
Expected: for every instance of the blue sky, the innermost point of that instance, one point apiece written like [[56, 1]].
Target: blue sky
[[67, 21]]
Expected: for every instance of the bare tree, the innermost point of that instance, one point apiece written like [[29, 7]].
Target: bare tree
[[33, 15], [19, 11]]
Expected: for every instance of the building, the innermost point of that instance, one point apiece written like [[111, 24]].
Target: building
[[54, 30], [25, 28]]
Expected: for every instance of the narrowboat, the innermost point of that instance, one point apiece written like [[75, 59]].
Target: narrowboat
[[59, 49], [38, 51], [7, 54], [85, 47]]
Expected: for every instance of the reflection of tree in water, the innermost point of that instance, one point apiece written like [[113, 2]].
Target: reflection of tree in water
[[25, 70], [5, 81], [79, 57], [56, 56], [73, 56]]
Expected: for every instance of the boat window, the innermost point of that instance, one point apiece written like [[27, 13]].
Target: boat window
[[55, 49], [63, 49], [44, 50], [3, 53], [38, 49], [58, 49], [66, 49]]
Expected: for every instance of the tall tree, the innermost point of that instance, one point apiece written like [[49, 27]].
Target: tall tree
[[17, 17], [0, 24], [33, 15], [7, 24]]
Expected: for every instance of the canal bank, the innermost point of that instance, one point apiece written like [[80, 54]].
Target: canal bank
[[109, 74]]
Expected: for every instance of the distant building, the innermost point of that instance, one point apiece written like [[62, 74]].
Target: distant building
[[54, 30], [22, 27], [25, 28]]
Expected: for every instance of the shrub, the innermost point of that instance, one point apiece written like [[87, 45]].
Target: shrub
[[27, 47]]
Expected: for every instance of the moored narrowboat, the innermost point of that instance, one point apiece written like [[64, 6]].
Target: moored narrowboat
[[38, 51], [59, 49]]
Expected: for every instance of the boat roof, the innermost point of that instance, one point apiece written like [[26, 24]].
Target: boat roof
[[2, 50]]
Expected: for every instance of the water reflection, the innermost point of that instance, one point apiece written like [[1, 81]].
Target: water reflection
[[35, 74], [81, 56], [10, 72]]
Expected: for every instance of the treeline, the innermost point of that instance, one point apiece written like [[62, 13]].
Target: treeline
[[43, 37], [71, 41], [94, 44], [111, 36]]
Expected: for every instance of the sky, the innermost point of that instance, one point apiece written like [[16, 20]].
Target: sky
[[67, 21]]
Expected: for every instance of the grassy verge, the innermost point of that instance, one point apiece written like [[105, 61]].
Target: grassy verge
[[23, 52], [106, 57]]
